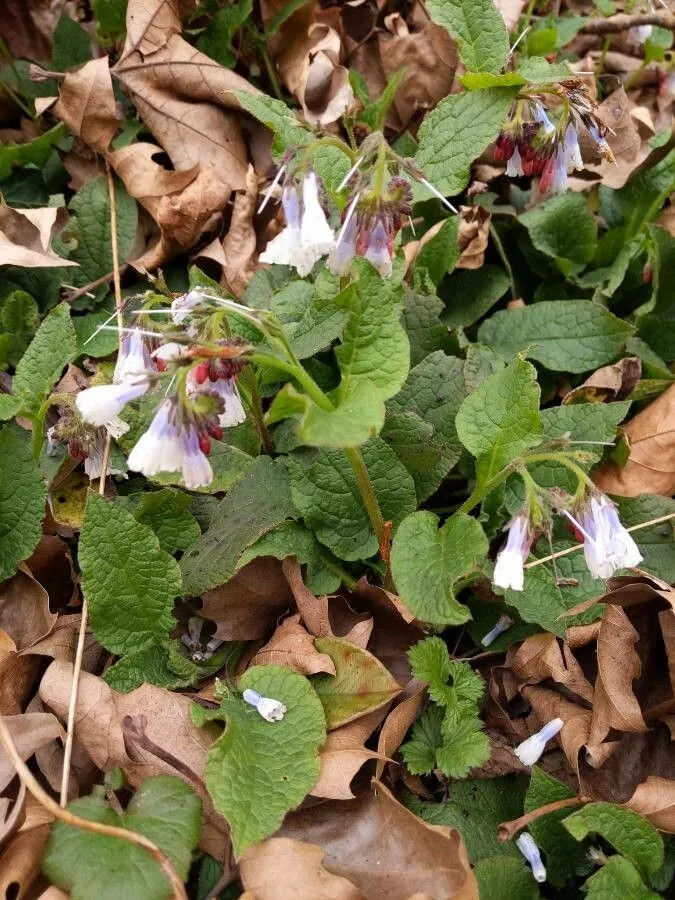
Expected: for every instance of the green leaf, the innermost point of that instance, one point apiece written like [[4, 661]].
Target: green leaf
[[71, 45], [30, 153], [19, 320], [92, 228], [217, 38], [326, 493], [471, 293], [441, 253], [481, 362], [501, 877], [564, 857], [9, 406], [257, 771], [111, 17], [501, 418], [476, 808], [538, 70], [164, 809], [430, 662], [52, 348], [547, 596], [361, 683], [276, 115], [104, 344], [564, 229], [427, 561], [293, 539], [419, 753], [149, 665], [168, 513], [412, 440], [129, 582], [311, 321], [657, 544], [630, 834], [456, 132], [465, 746], [254, 505], [22, 499], [479, 81], [423, 326], [434, 391], [563, 335], [663, 269], [641, 198], [479, 30], [618, 878]]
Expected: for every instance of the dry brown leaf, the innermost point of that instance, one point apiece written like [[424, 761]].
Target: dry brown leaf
[[511, 11], [541, 656], [472, 236], [667, 623], [384, 849], [87, 105], [26, 236], [250, 603], [548, 705], [183, 97], [313, 610], [655, 800], [20, 858], [292, 645], [284, 869], [613, 382], [343, 754], [27, 28], [51, 565], [397, 723], [239, 245], [651, 465], [30, 732]]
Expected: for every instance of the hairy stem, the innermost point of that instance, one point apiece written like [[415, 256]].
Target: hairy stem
[[367, 492]]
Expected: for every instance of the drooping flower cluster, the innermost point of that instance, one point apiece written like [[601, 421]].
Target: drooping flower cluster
[[531, 144], [608, 546]]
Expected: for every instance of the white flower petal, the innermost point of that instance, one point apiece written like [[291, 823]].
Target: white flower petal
[[100, 405]]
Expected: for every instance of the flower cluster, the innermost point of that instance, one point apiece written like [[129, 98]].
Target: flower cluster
[[530, 144], [607, 545]]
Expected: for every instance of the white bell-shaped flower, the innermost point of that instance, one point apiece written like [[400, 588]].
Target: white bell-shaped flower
[[527, 846], [607, 544], [316, 235], [100, 405], [134, 358], [530, 750], [271, 710], [509, 572], [285, 248]]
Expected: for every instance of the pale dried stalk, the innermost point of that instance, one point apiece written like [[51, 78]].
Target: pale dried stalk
[[545, 559], [508, 829], [623, 22], [79, 652], [69, 818]]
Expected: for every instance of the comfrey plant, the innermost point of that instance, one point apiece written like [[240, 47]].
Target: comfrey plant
[[531, 144]]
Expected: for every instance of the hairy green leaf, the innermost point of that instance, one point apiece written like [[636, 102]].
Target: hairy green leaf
[[479, 30], [564, 229], [618, 878], [168, 513], [49, 352], [22, 499]]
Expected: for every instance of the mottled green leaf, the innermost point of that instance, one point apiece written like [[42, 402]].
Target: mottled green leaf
[[22, 499], [49, 352]]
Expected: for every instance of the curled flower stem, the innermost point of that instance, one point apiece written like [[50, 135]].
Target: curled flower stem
[[68, 818]]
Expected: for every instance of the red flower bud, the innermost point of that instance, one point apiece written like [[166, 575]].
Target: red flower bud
[[205, 444], [201, 372]]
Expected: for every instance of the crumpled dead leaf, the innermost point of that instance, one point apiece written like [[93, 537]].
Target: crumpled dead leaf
[[20, 859], [239, 244], [284, 869], [87, 105], [343, 754], [26, 236], [613, 382], [292, 645], [399, 720], [540, 657], [472, 236], [30, 732], [650, 468], [248, 605], [183, 96], [384, 849]]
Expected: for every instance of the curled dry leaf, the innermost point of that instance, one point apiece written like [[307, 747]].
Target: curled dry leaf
[[399, 720], [249, 604], [623, 138], [615, 704], [284, 869], [472, 236], [30, 732], [384, 849], [26, 236], [655, 800], [541, 656], [293, 646], [239, 244], [87, 105], [613, 382], [650, 468], [343, 754], [183, 97], [20, 859]]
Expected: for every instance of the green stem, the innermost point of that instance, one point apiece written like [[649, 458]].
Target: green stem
[[367, 492], [528, 13], [255, 406], [341, 573], [380, 169], [271, 73], [504, 258], [297, 372]]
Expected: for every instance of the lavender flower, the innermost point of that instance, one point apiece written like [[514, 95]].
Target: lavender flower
[[134, 357], [100, 405], [283, 248], [509, 571], [527, 846], [503, 624], [529, 750], [607, 544]]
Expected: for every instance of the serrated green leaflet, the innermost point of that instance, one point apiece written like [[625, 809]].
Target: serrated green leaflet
[[563, 335], [22, 499], [564, 856], [257, 771], [326, 493], [164, 809], [564, 229], [129, 582], [452, 684], [434, 391], [293, 539], [361, 683], [501, 877], [427, 561], [618, 878], [476, 808], [457, 131], [501, 418], [168, 513], [479, 30], [255, 504], [465, 745], [630, 834], [52, 348]]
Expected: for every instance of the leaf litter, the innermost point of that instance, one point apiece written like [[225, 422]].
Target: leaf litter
[[261, 634]]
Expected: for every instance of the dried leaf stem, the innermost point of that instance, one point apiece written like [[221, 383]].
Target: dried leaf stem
[[623, 22], [69, 818], [508, 829], [545, 559], [79, 651]]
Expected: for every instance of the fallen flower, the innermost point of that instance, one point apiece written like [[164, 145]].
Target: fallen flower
[[530, 851], [503, 624], [270, 710], [530, 750]]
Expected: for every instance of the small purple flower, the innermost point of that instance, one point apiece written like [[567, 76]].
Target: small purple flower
[[503, 624], [573, 158], [511, 558], [377, 247], [101, 404], [514, 165], [134, 357], [554, 175], [527, 846]]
